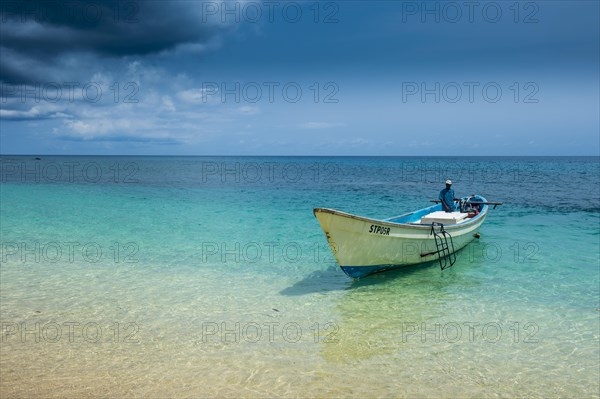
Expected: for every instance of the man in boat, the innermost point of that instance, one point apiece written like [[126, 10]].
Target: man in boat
[[447, 197]]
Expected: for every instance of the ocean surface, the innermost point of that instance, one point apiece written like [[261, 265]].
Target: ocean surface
[[210, 277]]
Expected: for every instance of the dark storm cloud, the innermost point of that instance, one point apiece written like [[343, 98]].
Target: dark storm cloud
[[33, 32], [11, 74]]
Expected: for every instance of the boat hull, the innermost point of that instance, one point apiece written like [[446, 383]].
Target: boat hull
[[363, 246]]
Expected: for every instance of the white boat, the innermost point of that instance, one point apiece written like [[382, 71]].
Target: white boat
[[363, 246]]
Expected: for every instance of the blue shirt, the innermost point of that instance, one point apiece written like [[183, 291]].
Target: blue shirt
[[447, 196]]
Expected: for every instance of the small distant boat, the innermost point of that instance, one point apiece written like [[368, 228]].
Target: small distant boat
[[363, 246]]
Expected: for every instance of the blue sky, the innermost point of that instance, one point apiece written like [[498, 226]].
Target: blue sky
[[300, 78]]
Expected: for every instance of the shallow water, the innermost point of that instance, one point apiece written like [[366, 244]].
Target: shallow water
[[209, 276]]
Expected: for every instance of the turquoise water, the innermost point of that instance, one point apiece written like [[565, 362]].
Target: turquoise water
[[209, 276]]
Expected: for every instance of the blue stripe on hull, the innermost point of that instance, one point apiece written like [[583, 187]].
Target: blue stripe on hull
[[362, 271]]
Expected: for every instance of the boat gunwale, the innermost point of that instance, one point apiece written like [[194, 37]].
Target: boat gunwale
[[477, 218]]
